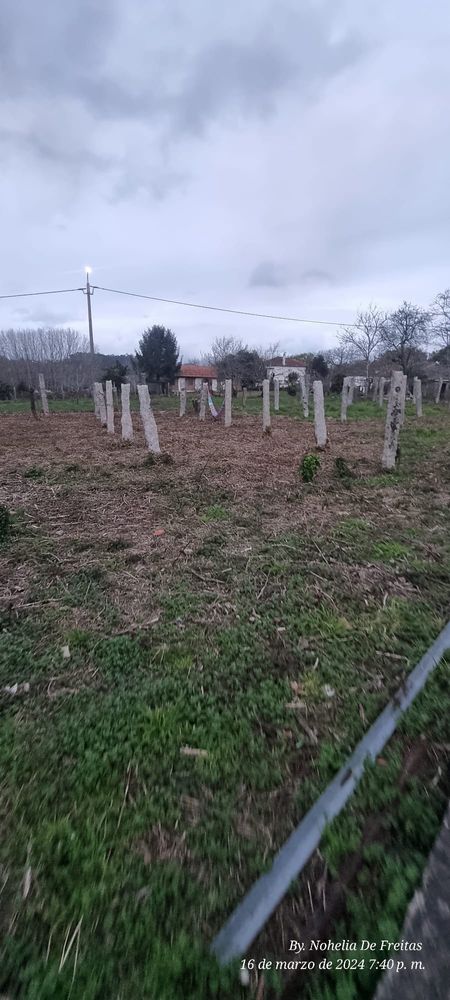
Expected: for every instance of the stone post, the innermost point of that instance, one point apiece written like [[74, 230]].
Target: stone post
[[438, 390], [403, 399], [244, 396], [303, 381], [97, 399], [127, 425], [351, 389], [109, 408], [266, 405], [381, 391], [345, 398], [203, 398], [102, 405], [182, 385], [418, 396], [228, 389], [148, 420], [393, 416], [276, 395], [43, 393], [320, 427], [375, 387]]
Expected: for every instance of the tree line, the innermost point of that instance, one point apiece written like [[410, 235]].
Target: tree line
[[376, 338]]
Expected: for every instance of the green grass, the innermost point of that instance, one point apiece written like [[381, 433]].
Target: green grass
[[146, 850]]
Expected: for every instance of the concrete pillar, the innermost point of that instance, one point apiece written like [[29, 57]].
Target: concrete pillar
[[393, 416], [43, 393], [182, 388], [148, 420], [320, 427], [228, 395], [438, 390], [266, 405], [375, 387], [418, 396], [381, 391], [127, 425], [203, 399], [345, 398], [109, 408], [276, 395]]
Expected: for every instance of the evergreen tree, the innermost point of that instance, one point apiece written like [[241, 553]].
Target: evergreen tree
[[116, 373], [158, 356]]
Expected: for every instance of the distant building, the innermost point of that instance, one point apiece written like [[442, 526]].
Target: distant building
[[281, 367], [195, 375]]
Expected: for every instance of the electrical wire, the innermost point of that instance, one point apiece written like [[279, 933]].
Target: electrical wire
[[235, 312], [178, 302], [54, 291]]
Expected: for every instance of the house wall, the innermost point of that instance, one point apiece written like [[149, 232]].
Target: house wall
[[194, 384], [281, 372]]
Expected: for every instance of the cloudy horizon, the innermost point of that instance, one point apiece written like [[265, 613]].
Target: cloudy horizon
[[287, 158]]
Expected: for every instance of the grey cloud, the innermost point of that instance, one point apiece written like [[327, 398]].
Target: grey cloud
[[315, 276], [188, 90], [43, 315], [266, 274]]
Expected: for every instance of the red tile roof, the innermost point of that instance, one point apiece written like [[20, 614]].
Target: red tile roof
[[198, 371], [289, 362]]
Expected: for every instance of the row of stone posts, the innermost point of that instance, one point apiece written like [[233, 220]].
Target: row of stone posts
[[104, 408]]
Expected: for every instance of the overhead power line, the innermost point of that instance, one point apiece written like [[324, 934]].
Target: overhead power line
[[54, 291], [179, 302], [223, 309]]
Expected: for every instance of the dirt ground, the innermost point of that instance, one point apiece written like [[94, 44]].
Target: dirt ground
[[319, 582]]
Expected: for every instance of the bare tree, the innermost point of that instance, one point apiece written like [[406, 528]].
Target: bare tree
[[440, 313], [405, 332], [56, 352], [221, 349], [364, 338]]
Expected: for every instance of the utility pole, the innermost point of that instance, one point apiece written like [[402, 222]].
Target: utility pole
[[89, 292]]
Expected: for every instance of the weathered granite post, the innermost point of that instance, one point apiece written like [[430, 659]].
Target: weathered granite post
[[276, 395], [203, 398], [148, 419], [266, 405], [303, 381], [393, 416], [43, 393], [320, 427], [102, 405], [351, 389], [417, 393], [228, 388], [376, 383], [438, 390], [96, 400], [127, 425], [381, 391], [403, 399], [182, 385], [109, 408], [344, 398], [244, 396]]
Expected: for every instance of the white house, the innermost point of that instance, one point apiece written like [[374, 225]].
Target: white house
[[282, 367]]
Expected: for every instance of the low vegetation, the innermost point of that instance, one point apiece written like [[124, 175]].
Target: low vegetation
[[188, 653]]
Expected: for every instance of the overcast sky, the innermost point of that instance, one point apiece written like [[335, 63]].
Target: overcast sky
[[289, 157]]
